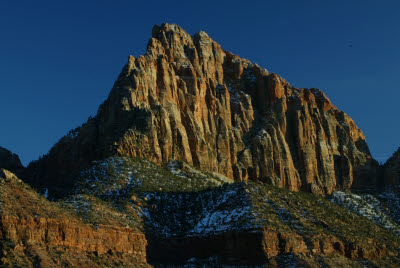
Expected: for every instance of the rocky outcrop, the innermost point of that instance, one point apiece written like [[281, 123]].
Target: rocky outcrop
[[391, 169], [32, 222], [72, 235], [10, 161], [188, 99]]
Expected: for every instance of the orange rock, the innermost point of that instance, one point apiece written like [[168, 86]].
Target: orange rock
[[73, 235], [188, 99]]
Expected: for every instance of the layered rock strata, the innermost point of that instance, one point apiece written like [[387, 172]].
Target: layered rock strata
[[72, 235]]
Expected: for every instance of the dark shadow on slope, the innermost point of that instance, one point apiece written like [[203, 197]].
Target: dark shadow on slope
[[209, 227]]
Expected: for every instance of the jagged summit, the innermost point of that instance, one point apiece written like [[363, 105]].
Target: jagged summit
[[187, 99], [166, 27]]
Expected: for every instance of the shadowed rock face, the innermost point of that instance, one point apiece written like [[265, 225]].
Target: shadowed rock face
[[259, 246], [188, 99], [392, 169], [10, 161]]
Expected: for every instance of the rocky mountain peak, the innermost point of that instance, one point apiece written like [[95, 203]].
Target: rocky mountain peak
[[187, 99]]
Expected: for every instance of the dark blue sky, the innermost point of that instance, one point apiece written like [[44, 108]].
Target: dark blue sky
[[59, 59]]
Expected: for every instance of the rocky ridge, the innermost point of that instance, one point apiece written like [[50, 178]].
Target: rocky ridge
[[34, 231], [10, 161], [392, 169], [177, 213], [187, 99], [217, 222]]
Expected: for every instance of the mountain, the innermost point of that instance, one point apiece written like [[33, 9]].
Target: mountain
[[199, 158], [187, 99], [10, 161], [392, 169]]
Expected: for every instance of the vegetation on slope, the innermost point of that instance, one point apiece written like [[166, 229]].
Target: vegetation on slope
[[29, 225], [177, 201]]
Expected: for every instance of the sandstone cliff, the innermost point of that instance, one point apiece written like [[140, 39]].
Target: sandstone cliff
[[188, 99]]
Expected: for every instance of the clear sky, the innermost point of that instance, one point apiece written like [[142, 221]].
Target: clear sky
[[59, 59]]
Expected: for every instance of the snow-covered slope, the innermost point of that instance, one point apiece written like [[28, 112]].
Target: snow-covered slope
[[212, 211], [382, 208]]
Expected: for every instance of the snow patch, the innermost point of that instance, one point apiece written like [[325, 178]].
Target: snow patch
[[368, 206]]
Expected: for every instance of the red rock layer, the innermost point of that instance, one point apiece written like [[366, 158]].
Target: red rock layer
[[72, 235]]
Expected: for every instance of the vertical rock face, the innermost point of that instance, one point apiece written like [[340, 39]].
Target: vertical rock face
[[188, 99], [10, 161]]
